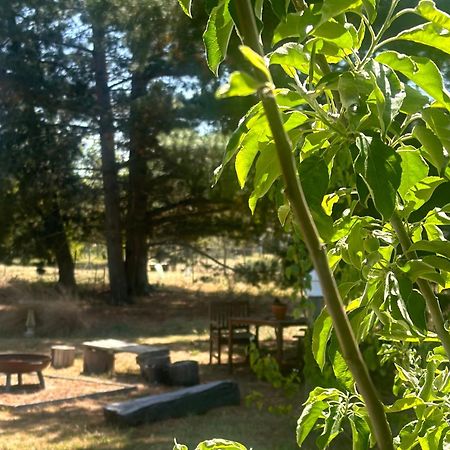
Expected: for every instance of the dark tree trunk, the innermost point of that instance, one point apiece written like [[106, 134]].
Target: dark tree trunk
[[56, 239], [116, 266], [136, 227]]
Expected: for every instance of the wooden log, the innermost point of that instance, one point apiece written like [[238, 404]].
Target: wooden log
[[62, 356], [154, 369], [184, 373], [192, 400], [97, 361]]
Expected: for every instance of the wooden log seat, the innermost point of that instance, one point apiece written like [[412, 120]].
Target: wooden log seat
[[154, 366], [184, 373], [62, 356], [191, 400], [98, 356]]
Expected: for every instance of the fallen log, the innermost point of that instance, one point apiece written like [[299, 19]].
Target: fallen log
[[192, 400]]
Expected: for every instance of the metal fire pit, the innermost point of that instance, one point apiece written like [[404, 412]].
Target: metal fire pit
[[20, 363]]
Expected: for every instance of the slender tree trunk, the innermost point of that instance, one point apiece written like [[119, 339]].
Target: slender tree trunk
[[113, 232], [344, 333], [136, 227], [56, 239]]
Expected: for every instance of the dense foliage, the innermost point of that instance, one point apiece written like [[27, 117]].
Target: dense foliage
[[161, 119], [362, 132]]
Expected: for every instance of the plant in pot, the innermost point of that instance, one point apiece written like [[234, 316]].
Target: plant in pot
[[279, 309]]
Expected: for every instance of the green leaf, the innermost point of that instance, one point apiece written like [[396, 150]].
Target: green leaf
[[258, 7], [439, 121], [256, 60], [259, 132], [434, 151], [220, 444], [292, 57], [241, 84], [414, 169], [310, 414], [217, 35], [360, 433], [332, 51], [416, 268], [328, 202], [340, 368], [432, 438], [293, 119], [335, 33], [332, 8], [321, 335], [267, 170], [332, 427], [314, 177], [420, 70], [414, 301], [288, 99], [440, 247], [394, 301], [254, 114], [295, 25], [388, 94], [427, 9], [370, 7], [428, 34], [280, 7], [283, 213], [348, 94], [414, 101], [403, 404], [420, 193], [439, 262], [381, 173], [186, 6]]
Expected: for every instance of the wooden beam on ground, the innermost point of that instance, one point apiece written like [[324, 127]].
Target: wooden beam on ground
[[193, 400]]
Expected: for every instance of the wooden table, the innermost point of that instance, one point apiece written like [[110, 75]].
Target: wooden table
[[277, 325]]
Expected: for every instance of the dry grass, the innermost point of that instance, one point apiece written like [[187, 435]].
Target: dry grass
[[176, 317], [55, 313]]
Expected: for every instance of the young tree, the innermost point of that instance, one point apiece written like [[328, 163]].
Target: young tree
[[38, 143], [359, 107]]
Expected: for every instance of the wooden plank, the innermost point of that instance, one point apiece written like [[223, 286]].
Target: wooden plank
[[193, 400], [116, 346]]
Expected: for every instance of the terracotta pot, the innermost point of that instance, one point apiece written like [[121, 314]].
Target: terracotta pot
[[279, 311]]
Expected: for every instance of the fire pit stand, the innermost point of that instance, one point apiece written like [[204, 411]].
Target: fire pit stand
[[20, 363]]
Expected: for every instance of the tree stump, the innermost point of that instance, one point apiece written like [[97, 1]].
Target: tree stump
[[62, 356], [97, 361], [184, 373], [154, 366]]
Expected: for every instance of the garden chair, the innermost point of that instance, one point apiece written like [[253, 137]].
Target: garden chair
[[219, 313]]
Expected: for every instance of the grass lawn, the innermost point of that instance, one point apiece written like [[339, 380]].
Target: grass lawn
[[173, 317]]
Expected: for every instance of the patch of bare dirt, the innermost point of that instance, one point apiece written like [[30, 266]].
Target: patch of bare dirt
[[57, 389]]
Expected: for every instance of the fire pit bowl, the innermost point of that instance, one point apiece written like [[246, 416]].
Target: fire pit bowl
[[20, 363]]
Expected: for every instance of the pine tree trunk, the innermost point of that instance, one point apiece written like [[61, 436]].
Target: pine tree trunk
[[136, 226], [116, 264], [56, 239]]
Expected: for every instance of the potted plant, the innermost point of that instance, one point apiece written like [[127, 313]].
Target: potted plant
[[279, 309]]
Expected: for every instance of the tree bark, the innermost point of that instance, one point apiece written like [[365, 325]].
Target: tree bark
[[116, 266], [136, 226], [56, 238]]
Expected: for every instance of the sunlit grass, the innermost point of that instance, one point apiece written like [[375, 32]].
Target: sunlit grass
[[175, 316]]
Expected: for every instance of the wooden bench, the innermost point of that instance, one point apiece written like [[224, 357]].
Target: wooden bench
[[193, 400], [98, 356]]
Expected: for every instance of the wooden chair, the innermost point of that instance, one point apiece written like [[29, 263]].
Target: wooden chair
[[219, 312]]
